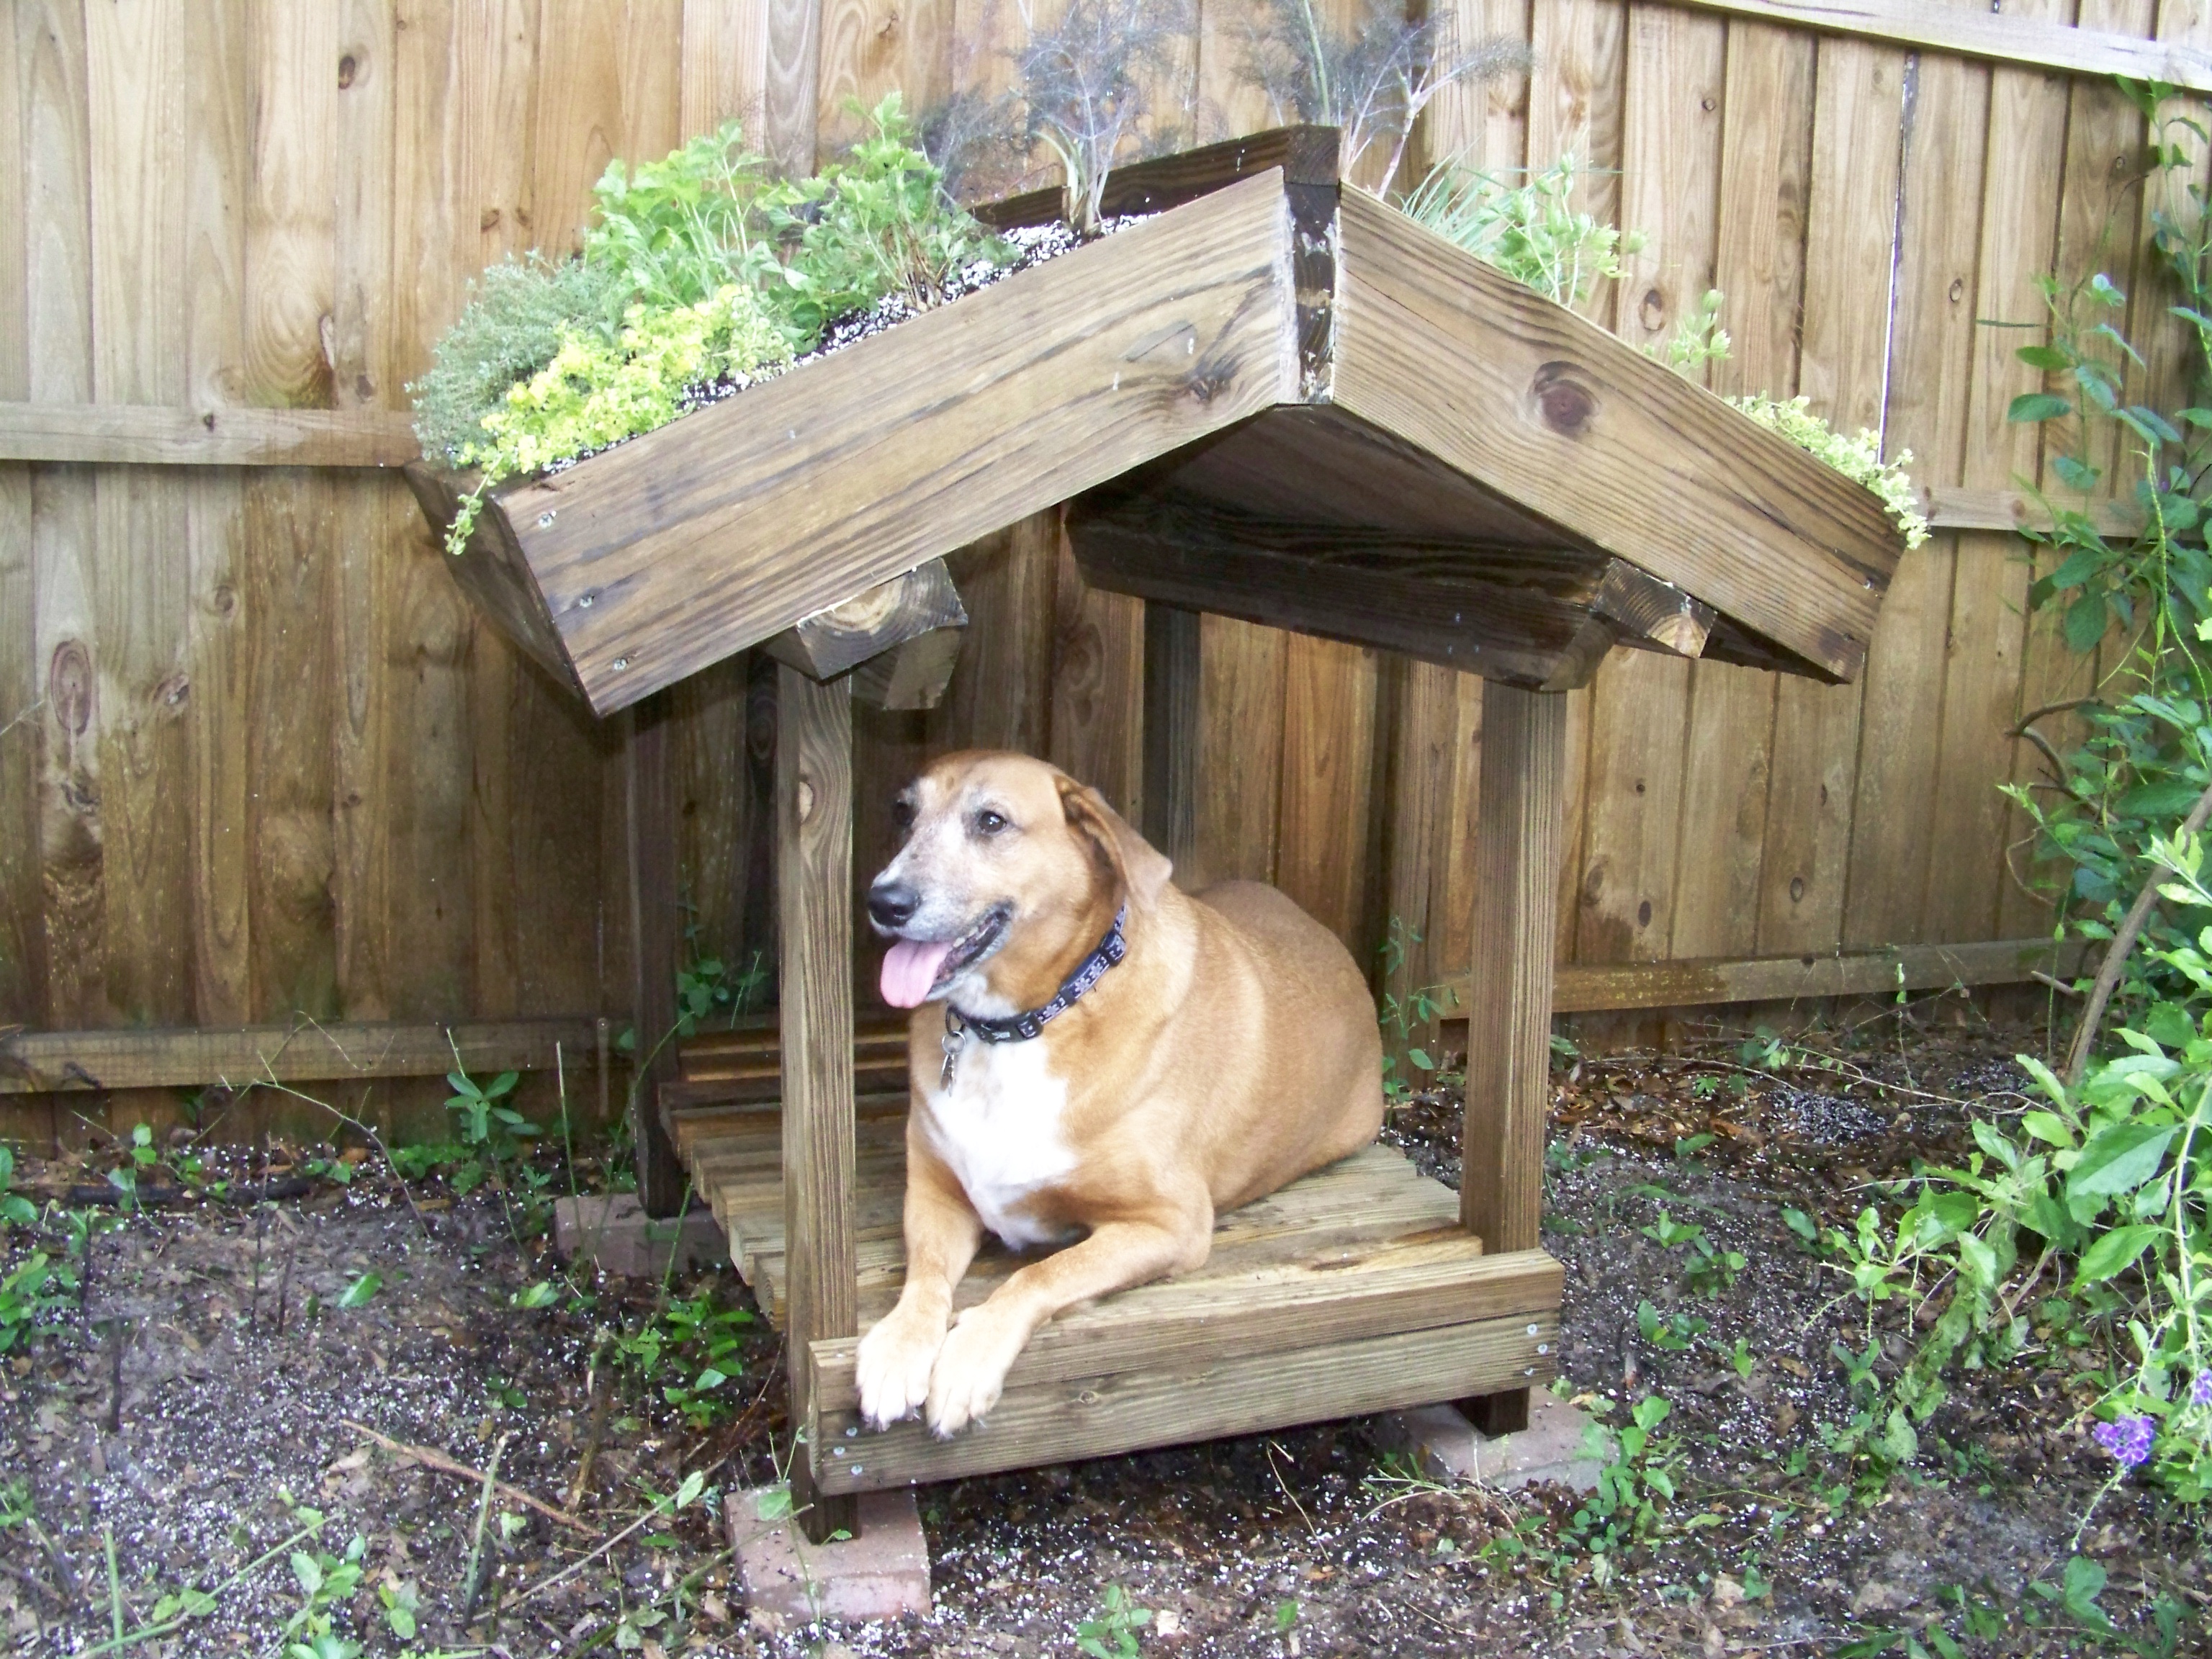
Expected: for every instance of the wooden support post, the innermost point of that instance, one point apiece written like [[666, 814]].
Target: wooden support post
[[1518, 830], [814, 870], [653, 908], [1170, 814]]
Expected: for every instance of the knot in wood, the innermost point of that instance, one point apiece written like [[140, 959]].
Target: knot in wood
[[68, 686], [1564, 402], [805, 801]]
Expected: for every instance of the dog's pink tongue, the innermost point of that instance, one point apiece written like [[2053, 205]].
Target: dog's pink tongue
[[910, 968]]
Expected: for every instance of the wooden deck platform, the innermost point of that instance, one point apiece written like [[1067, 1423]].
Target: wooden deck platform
[[1352, 1290]]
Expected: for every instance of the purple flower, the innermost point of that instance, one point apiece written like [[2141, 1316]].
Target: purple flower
[[2128, 1439], [2200, 1391]]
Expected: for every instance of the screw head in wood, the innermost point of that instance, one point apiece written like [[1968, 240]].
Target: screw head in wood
[[545, 519], [621, 663]]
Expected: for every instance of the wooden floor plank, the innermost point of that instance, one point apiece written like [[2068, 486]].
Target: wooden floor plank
[[1197, 1399]]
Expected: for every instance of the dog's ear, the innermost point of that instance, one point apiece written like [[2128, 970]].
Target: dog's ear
[[1142, 868]]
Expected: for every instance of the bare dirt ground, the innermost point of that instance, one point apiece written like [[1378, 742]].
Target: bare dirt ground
[[209, 1392]]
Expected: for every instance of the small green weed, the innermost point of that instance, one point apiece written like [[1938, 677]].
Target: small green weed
[[1113, 1634], [1635, 1477], [1673, 1335], [1532, 232]]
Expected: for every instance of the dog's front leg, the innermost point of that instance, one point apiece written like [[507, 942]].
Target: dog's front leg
[[972, 1366], [942, 1231]]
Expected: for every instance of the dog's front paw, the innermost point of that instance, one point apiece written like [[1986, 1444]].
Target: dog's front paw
[[971, 1369], [893, 1365]]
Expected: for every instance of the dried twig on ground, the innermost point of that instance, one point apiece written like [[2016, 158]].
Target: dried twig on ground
[[445, 1465]]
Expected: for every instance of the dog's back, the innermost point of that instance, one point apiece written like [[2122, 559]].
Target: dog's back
[[1316, 1063]]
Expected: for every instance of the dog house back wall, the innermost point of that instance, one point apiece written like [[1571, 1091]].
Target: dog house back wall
[[272, 761]]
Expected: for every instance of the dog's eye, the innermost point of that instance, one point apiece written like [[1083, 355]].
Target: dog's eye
[[902, 815], [988, 823]]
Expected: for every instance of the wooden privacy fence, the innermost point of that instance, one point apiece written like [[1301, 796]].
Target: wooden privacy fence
[[259, 759]]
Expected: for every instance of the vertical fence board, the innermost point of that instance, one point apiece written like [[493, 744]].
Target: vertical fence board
[[367, 511], [1972, 821], [57, 348], [287, 681], [725, 66], [22, 927], [1329, 764], [1669, 186], [1931, 359], [1098, 686], [1850, 239], [1758, 265]]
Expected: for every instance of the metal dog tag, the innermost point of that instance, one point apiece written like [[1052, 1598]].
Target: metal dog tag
[[951, 1042]]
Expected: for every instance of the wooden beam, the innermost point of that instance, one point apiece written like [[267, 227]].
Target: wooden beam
[[154, 436], [1650, 613], [1523, 615], [1589, 988], [35, 1062], [493, 574], [1950, 507], [654, 910], [912, 674], [1544, 407], [1301, 1304], [1223, 1393], [680, 547], [1519, 826], [814, 864], [1168, 812], [839, 638], [1307, 156], [1991, 36]]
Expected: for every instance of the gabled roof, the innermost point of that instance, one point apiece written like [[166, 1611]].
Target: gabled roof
[[1278, 399]]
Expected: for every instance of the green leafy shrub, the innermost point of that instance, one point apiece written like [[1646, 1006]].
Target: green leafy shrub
[[595, 392], [2080, 1235], [518, 313], [1532, 232], [1857, 458], [700, 269], [876, 223], [677, 231]]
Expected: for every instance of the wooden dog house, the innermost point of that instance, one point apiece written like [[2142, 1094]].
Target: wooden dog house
[[1276, 398]]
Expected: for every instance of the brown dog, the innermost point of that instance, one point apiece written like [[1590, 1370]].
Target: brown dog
[[1230, 1050]]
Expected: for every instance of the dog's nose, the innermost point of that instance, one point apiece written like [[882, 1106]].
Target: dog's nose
[[892, 904]]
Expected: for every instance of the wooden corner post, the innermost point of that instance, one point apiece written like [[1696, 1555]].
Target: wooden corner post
[[653, 905], [814, 874], [1518, 830]]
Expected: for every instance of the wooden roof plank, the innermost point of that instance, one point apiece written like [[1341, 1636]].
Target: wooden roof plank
[[1533, 401], [683, 545]]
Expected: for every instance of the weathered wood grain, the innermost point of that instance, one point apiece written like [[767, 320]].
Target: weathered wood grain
[[150, 435], [914, 675], [1850, 228], [1509, 999], [1085, 368], [835, 641], [1805, 566], [1443, 1280], [1695, 982], [1087, 1417], [654, 922], [1321, 859], [1098, 686], [1501, 613], [814, 856], [2036, 38], [1173, 785], [307, 1052]]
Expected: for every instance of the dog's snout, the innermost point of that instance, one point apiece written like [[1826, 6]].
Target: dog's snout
[[892, 904]]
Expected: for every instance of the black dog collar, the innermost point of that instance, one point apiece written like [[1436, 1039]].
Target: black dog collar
[[1020, 1028]]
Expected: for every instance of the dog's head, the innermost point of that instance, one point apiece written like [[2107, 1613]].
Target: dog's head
[[1010, 872]]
